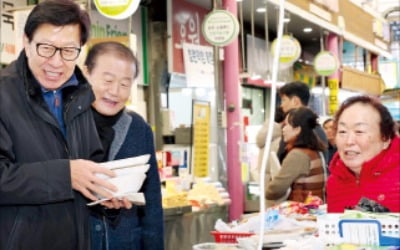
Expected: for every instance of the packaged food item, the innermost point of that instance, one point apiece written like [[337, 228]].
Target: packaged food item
[[216, 246], [367, 205]]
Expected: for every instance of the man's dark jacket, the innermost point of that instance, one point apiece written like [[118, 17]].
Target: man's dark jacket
[[38, 207]]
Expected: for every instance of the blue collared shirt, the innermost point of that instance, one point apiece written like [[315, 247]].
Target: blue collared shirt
[[54, 101]]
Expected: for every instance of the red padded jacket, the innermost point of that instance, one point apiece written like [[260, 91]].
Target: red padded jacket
[[379, 180]]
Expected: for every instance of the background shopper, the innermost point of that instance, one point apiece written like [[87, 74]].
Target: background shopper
[[46, 129], [302, 169], [111, 68], [368, 160], [328, 126], [273, 165], [295, 95]]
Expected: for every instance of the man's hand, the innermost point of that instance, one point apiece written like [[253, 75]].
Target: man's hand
[[84, 179]]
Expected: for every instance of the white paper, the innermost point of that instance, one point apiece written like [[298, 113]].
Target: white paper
[[361, 233], [130, 175], [128, 162], [135, 198]]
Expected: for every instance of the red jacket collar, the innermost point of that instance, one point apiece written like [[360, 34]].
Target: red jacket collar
[[386, 159]]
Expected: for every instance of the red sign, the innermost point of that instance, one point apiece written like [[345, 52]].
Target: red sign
[[186, 27]]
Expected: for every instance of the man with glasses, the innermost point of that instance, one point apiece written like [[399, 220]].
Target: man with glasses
[[48, 136]]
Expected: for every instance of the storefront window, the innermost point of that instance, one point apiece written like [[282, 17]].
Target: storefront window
[[354, 56], [253, 104]]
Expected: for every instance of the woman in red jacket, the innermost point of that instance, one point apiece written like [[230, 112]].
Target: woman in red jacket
[[367, 162]]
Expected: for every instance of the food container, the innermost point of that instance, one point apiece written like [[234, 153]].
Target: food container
[[383, 231], [229, 237], [216, 246]]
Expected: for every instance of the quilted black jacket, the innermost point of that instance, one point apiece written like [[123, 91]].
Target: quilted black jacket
[[38, 207]]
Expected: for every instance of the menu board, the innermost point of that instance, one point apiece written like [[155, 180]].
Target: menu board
[[201, 138]]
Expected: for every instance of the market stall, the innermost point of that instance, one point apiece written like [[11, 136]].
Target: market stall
[[185, 228], [301, 226]]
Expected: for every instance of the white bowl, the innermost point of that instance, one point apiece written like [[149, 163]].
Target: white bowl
[[130, 170], [127, 162], [126, 184], [127, 180]]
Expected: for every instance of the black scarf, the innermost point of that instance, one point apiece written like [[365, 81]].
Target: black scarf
[[104, 125]]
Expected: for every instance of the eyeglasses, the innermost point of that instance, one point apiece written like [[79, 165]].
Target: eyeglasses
[[48, 50]]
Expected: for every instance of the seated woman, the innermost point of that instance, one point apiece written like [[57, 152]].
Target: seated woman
[[368, 160], [302, 169]]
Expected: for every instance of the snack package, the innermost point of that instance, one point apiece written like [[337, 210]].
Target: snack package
[[367, 205], [313, 202]]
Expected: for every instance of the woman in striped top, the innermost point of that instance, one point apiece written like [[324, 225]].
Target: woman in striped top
[[302, 169]]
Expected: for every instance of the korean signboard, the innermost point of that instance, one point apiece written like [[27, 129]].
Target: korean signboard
[[325, 63], [184, 26], [220, 28], [290, 51], [8, 50], [199, 65], [117, 9]]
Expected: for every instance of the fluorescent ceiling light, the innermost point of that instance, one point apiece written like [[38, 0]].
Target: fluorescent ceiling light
[[261, 10], [286, 19], [307, 30]]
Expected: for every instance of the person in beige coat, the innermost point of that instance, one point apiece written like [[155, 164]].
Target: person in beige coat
[[273, 164], [260, 140]]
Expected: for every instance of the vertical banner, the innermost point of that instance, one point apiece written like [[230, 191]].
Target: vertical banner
[[199, 65], [8, 50], [333, 95], [201, 138], [20, 17]]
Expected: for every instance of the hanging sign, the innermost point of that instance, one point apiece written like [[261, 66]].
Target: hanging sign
[[220, 27], [325, 63], [290, 50], [184, 19], [117, 9], [199, 65]]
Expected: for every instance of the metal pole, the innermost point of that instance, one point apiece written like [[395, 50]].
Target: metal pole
[[268, 139], [253, 35], [266, 29], [323, 80], [242, 36], [232, 90]]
